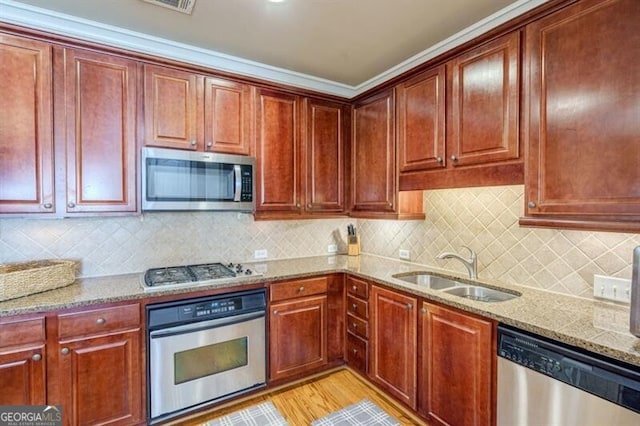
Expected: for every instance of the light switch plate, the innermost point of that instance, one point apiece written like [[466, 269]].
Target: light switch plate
[[610, 288], [260, 254], [332, 248], [404, 254]]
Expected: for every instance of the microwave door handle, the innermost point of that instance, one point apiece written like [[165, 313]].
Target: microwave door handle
[[237, 172]]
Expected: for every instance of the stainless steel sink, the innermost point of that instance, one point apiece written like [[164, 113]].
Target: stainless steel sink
[[433, 282], [481, 294]]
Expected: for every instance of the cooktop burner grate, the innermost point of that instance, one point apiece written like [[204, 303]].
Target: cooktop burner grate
[[181, 276]]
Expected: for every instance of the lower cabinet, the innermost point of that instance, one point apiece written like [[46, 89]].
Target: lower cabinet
[[457, 373], [22, 362], [298, 327], [91, 364], [393, 341]]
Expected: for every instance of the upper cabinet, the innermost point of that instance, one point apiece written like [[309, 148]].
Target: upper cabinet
[[582, 74], [189, 111], [26, 140], [300, 146], [100, 148], [374, 186], [476, 141]]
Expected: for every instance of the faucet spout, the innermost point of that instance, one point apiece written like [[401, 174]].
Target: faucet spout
[[471, 263]]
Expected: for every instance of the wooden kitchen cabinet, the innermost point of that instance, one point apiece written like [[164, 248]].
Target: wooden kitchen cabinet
[[374, 179], [96, 365], [324, 132], [582, 74], [97, 102], [26, 139], [185, 110], [357, 324], [457, 367], [297, 327], [22, 361], [476, 142], [393, 343]]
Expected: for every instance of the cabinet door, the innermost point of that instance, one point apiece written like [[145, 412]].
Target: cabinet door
[[582, 68], [100, 101], [324, 153], [26, 141], [277, 152], [456, 366], [100, 379], [22, 376], [393, 341], [227, 116], [298, 336], [420, 107], [171, 108], [485, 85], [373, 155]]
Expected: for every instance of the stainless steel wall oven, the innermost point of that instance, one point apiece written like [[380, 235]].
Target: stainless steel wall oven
[[200, 351]]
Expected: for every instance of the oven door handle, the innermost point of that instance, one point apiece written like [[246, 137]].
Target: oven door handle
[[204, 325]]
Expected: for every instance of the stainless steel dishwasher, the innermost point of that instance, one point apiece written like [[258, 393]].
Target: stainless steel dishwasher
[[542, 382]]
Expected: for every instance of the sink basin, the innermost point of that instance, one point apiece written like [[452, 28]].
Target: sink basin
[[433, 282], [481, 294]]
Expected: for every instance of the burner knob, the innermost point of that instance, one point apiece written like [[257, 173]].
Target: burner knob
[[230, 265], [248, 272], [239, 267]]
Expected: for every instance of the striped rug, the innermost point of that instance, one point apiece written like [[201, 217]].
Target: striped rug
[[265, 414], [363, 413]]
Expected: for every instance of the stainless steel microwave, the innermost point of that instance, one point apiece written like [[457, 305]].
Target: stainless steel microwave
[[186, 180]]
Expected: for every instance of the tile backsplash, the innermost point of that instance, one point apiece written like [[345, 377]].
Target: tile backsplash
[[485, 219], [116, 245]]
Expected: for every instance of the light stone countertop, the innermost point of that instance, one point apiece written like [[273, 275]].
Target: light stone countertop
[[597, 326]]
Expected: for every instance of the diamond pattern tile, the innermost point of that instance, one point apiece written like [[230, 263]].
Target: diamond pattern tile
[[486, 219]]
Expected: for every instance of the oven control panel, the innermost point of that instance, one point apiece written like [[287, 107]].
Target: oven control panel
[[174, 313]]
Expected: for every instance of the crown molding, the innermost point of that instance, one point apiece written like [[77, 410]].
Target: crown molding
[[16, 13]]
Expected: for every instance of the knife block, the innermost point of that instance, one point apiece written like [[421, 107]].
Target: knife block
[[353, 248]]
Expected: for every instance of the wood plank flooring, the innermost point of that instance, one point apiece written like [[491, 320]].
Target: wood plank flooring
[[308, 400]]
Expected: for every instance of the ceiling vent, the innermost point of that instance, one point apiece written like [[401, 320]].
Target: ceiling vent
[[184, 6]]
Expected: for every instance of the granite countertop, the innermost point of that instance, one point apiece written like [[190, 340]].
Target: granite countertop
[[593, 325]]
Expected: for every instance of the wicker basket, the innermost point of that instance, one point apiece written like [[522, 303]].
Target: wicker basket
[[25, 278]]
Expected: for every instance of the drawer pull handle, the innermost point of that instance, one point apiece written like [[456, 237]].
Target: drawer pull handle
[[301, 289], [64, 351], [47, 205], [101, 321], [36, 357], [71, 204]]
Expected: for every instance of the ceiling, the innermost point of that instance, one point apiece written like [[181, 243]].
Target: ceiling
[[347, 42]]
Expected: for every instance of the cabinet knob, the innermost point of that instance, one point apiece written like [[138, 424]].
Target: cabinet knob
[[439, 160], [194, 143], [354, 325], [71, 204], [409, 306], [101, 321], [301, 289], [389, 203], [209, 144], [423, 310], [36, 357], [454, 158], [531, 205], [355, 288], [64, 351], [355, 307], [298, 206], [309, 206], [47, 205], [355, 351], [275, 312]]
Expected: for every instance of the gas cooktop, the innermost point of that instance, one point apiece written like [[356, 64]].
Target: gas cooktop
[[193, 275]]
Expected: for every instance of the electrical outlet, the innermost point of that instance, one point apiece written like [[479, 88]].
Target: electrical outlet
[[404, 254], [332, 248], [260, 254], [610, 288]]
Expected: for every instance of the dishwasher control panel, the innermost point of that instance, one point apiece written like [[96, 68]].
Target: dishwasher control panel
[[525, 352]]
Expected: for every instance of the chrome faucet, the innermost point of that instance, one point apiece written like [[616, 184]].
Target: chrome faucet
[[471, 264]]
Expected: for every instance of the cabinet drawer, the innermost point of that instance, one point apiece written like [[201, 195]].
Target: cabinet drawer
[[358, 326], [358, 288], [298, 288], [358, 307], [98, 321], [356, 352], [21, 332]]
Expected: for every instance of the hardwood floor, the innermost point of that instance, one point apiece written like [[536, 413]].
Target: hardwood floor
[[308, 400]]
